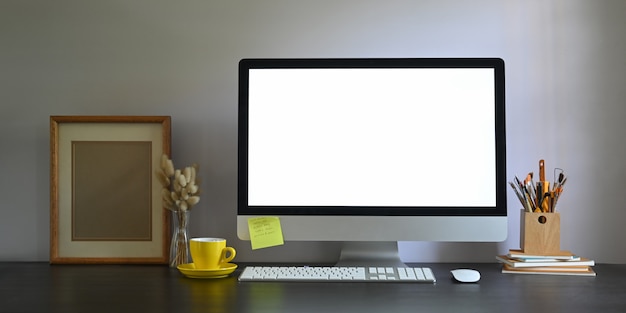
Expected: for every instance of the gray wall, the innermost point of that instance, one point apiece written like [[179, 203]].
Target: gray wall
[[566, 80]]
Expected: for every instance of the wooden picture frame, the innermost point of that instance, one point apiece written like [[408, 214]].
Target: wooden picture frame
[[105, 201]]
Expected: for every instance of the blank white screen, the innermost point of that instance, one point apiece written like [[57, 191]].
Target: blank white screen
[[371, 137]]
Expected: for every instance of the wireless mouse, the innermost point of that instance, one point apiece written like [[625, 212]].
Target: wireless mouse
[[465, 275]]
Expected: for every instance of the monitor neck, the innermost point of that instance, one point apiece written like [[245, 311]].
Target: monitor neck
[[380, 254]]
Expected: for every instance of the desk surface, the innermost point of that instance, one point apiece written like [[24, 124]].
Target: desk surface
[[39, 287]]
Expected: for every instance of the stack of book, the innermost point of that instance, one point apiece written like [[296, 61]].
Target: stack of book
[[564, 263]]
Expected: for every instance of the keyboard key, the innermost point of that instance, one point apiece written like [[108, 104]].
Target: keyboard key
[[419, 274], [428, 273]]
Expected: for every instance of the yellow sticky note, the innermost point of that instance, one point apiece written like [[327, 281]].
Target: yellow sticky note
[[265, 232]]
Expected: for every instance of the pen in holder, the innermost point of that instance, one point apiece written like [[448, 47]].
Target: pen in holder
[[540, 233]]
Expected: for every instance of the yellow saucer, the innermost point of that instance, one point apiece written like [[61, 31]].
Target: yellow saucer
[[190, 271]]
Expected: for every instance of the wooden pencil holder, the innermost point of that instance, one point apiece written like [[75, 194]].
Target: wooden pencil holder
[[540, 233]]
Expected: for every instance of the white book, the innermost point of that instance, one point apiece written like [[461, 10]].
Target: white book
[[540, 260], [519, 254], [516, 263]]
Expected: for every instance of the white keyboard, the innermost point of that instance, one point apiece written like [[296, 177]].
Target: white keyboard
[[338, 274]]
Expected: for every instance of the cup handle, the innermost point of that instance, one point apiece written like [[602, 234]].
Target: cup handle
[[228, 254]]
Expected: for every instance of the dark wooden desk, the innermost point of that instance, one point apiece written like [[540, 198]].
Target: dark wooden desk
[[39, 287]]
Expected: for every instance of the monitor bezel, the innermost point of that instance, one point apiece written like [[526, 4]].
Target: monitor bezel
[[500, 208]]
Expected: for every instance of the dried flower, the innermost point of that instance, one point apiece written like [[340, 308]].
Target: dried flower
[[180, 187]]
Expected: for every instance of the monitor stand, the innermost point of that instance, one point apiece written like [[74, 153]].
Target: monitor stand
[[380, 254]]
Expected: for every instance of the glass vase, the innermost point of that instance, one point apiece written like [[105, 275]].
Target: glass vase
[[179, 246]]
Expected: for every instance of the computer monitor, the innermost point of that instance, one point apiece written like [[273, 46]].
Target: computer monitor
[[373, 151]]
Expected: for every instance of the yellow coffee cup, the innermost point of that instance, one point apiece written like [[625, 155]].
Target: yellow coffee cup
[[210, 253]]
